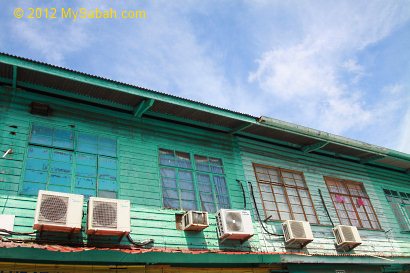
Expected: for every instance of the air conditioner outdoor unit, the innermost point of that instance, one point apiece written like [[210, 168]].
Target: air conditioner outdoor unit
[[234, 224], [56, 211], [347, 237], [195, 220], [297, 233], [108, 216]]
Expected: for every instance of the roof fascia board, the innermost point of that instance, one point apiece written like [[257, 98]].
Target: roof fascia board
[[76, 76], [372, 159]]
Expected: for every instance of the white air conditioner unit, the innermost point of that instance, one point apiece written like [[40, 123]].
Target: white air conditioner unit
[[297, 233], [234, 224], [347, 237], [195, 220], [108, 216], [56, 211]]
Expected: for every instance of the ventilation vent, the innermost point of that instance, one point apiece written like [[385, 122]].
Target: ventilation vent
[[57, 211], [108, 216], [195, 220], [297, 233], [347, 237], [234, 224], [41, 109]]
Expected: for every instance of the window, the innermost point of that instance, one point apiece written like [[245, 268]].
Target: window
[[352, 203], [284, 194], [400, 204], [56, 162], [197, 184]]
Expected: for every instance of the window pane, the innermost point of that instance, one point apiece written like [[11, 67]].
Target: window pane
[[37, 164], [38, 152], [86, 182], [59, 155], [201, 163], [188, 205], [87, 171], [85, 159], [171, 203], [107, 194], [187, 195], [35, 176], [165, 172], [63, 139], [183, 160], [183, 175], [220, 185], [169, 182], [209, 207], [32, 188], [166, 157], [60, 179], [109, 174], [60, 167], [169, 193], [87, 143], [106, 162], [107, 185], [107, 146], [41, 135]]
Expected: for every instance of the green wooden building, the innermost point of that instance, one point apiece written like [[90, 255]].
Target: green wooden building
[[68, 132]]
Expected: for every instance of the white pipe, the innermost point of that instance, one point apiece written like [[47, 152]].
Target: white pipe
[[9, 151]]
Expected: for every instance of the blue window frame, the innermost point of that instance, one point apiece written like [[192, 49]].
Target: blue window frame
[[54, 163]]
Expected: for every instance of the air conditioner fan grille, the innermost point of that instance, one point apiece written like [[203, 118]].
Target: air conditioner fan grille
[[104, 214], [53, 209], [234, 222]]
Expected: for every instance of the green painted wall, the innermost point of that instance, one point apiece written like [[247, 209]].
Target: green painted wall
[[390, 241], [138, 144]]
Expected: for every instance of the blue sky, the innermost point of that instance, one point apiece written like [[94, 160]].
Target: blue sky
[[341, 67]]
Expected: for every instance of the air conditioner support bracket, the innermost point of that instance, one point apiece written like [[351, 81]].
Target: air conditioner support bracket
[[240, 241]]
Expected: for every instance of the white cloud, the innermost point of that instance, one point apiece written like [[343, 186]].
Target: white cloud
[[308, 76], [404, 144]]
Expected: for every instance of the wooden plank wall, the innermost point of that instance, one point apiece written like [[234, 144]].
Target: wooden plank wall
[[314, 167], [138, 143]]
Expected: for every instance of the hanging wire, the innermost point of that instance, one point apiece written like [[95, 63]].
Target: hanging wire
[[243, 193]]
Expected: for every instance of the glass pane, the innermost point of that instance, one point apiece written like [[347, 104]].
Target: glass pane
[[166, 157], [41, 135], [165, 172], [223, 202], [104, 173], [206, 197], [201, 163], [183, 175], [60, 179], [86, 192], [274, 214], [106, 162], [261, 170], [169, 182], [217, 170], [263, 177], [59, 155], [107, 185], [170, 193], [284, 215], [187, 195], [299, 217], [220, 185], [267, 196], [186, 185], [171, 203], [107, 194], [85, 159], [63, 139], [205, 187], [39, 152], [37, 164], [283, 207], [188, 205], [289, 181], [60, 167], [35, 176], [204, 178], [269, 205], [87, 171], [311, 218], [183, 160], [86, 182], [265, 188], [107, 146], [215, 161], [209, 207], [32, 188], [87, 143]]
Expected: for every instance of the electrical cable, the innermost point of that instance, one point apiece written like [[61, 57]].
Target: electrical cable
[[257, 213], [139, 244], [325, 207], [243, 193]]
